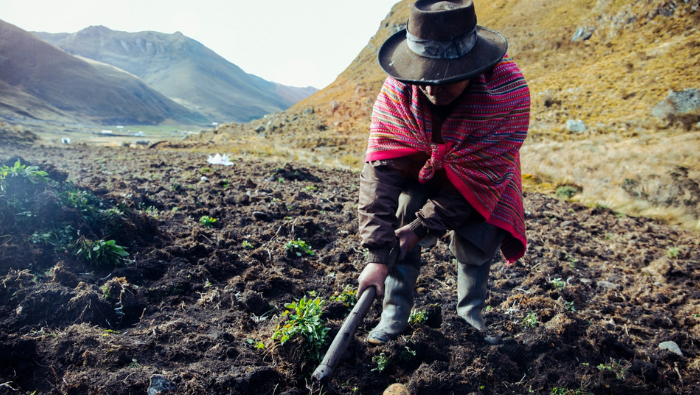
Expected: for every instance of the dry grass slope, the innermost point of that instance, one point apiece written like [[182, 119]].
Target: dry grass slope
[[627, 159]]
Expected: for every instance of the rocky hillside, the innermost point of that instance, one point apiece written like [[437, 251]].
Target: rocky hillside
[[599, 66], [39, 81], [184, 70]]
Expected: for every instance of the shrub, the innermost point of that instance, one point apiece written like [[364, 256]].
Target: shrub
[[100, 252], [299, 247], [304, 320]]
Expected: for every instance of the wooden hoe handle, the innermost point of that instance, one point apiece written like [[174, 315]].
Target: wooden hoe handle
[[324, 371]]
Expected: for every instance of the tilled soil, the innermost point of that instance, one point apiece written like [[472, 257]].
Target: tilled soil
[[195, 309]]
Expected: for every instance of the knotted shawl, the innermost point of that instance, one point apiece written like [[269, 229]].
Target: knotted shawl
[[482, 136]]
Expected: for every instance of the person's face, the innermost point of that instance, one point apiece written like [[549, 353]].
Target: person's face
[[442, 95]]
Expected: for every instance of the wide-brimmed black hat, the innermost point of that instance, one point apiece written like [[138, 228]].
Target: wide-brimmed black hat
[[442, 44]]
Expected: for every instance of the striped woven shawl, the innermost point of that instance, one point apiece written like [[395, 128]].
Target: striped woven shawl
[[482, 136]]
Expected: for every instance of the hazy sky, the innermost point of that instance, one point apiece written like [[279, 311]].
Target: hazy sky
[[293, 42]]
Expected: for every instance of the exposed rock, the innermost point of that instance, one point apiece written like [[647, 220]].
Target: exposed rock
[[607, 285], [677, 103], [259, 129], [396, 389], [672, 347], [160, 385], [576, 126], [582, 34]]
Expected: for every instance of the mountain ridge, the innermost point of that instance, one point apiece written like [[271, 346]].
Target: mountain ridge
[[184, 70], [43, 82]]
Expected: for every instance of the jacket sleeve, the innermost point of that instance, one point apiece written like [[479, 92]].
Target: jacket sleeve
[[380, 187], [445, 210]]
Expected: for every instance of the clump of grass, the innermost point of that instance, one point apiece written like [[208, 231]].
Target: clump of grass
[[567, 191], [304, 320], [207, 221], [418, 317], [299, 247], [100, 252]]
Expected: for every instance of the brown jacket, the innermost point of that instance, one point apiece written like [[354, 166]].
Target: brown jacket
[[381, 183]]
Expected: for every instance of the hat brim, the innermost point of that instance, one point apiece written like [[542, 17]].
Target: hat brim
[[401, 63]]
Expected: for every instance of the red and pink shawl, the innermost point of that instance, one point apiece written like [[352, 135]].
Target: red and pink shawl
[[482, 136]]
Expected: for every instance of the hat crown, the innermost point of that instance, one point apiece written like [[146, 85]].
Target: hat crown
[[441, 20]]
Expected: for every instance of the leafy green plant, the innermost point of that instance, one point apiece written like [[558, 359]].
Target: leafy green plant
[[59, 237], [348, 296], [100, 252], [418, 317], [225, 183], [382, 362], [207, 221], [311, 188], [299, 247], [205, 170], [530, 320], [567, 391], [152, 211], [30, 173], [615, 367], [247, 245], [304, 320], [558, 282]]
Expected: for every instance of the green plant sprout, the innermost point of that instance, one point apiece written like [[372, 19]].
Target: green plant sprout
[[247, 245], [348, 297], [558, 282], [530, 320], [207, 221], [570, 305], [100, 252], [407, 354], [418, 317], [382, 362], [673, 252], [299, 247], [304, 320], [311, 188], [615, 367]]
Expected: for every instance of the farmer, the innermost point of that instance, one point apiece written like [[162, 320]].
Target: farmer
[[443, 155]]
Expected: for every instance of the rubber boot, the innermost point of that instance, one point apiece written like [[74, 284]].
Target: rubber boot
[[398, 299], [472, 286]]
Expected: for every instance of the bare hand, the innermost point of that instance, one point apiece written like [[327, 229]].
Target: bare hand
[[373, 275], [407, 239]]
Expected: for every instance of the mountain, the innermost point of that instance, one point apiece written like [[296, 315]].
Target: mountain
[[605, 63], [184, 70], [40, 81]]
